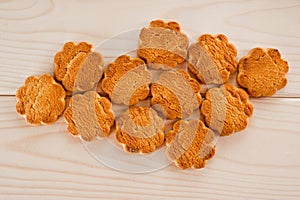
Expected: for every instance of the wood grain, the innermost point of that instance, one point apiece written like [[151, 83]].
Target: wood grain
[[45, 162]]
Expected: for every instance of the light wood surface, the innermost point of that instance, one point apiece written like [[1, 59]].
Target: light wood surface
[[44, 162]]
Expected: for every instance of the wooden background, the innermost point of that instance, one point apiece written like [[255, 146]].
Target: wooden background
[[44, 162]]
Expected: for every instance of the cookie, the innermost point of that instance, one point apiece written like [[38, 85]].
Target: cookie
[[262, 72], [126, 80], [77, 67], [176, 94], [41, 100], [226, 109], [140, 130], [89, 116], [167, 25], [212, 59], [163, 45], [190, 144]]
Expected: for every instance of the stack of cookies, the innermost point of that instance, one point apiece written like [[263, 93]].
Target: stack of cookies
[[190, 78]]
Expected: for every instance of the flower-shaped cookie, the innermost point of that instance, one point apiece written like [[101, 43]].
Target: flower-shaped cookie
[[212, 59], [163, 45], [176, 94], [226, 109], [140, 130], [77, 67], [262, 72], [190, 144], [126, 80], [41, 100], [89, 116]]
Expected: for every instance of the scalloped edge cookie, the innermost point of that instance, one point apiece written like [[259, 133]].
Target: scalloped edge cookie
[[89, 116], [190, 144], [41, 100], [163, 45], [262, 72], [212, 59], [226, 109]]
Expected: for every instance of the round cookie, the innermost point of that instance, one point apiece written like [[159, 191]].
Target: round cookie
[[140, 130], [176, 94], [126, 80], [163, 45], [89, 116], [77, 67], [212, 59], [190, 144], [41, 100], [226, 109], [262, 72]]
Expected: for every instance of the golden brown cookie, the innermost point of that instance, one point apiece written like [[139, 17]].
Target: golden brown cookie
[[167, 25], [212, 59], [41, 100], [140, 130], [190, 144], [176, 94], [226, 109], [89, 116], [126, 80], [163, 45], [77, 67], [262, 72]]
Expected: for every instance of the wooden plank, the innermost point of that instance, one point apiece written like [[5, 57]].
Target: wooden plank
[[32, 31], [262, 162]]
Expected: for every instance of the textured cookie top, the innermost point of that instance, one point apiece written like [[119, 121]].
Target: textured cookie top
[[162, 45], [140, 130], [78, 59], [212, 59], [167, 25], [90, 72], [226, 109], [190, 144], [126, 80], [89, 116], [262, 72], [41, 100], [176, 94]]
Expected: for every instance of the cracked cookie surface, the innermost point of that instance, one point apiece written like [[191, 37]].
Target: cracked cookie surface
[[212, 59], [140, 130], [226, 109], [190, 144], [126, 80], [89, 116], [163, 45], [262, 72], [77, 67], [176, 94], [41, 100]]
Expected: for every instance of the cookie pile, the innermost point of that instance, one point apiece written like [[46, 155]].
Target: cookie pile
[[174, 95]]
